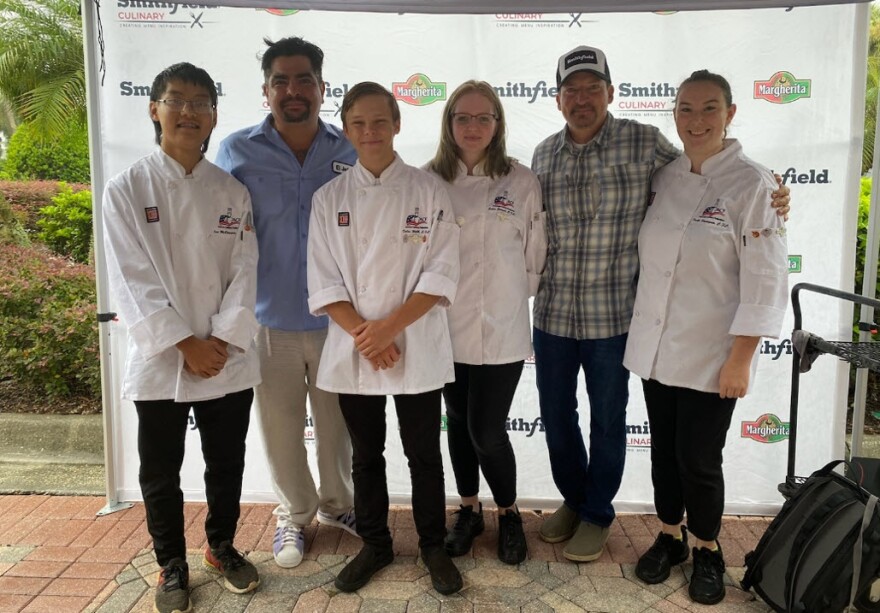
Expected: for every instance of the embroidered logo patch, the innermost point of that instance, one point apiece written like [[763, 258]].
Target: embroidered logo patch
[[152, 213], [343, 219], [715, 215], [340, 167], [415, 227], [503, 203], [228, 222]]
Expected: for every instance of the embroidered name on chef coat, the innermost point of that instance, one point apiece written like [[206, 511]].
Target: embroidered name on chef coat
[[715, 215], [503, 204], [227, 224], [416, 227]]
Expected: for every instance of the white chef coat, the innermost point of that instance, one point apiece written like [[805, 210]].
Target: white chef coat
[[503, 248], [182, 258], [374, 242], [714, 266]]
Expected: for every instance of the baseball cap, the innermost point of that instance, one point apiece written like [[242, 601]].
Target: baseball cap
[[582, 58]]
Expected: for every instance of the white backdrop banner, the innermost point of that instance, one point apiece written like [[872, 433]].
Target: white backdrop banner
[[797, 78]]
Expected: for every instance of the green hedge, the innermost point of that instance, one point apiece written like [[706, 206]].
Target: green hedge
[[65, 158], [48, 330], [66, 224]]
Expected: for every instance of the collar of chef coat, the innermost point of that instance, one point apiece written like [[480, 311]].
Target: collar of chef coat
[[365, 177], [715, 164], [479, 169], [172, 169]]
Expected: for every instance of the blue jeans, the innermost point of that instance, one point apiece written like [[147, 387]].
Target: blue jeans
[[587, 482]]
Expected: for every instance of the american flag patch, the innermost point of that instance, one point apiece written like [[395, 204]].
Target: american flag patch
[[152, 214]]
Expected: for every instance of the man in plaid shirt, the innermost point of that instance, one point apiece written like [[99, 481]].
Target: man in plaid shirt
[[595, 179]]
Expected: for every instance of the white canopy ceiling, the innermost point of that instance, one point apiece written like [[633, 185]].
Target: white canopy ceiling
[[521, 6]]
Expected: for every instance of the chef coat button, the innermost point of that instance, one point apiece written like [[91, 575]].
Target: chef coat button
[[681, 226], [657, 322], [637, 314], [362, 290], [364, 241], [361, 192], [667, 274]]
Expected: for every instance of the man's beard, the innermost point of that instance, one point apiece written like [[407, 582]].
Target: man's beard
[[298, 116]]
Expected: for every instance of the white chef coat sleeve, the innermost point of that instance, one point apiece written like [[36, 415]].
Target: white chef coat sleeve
[[235, 322], [536, 234], [137, 289], [441, 270], [763, 274], [325, 280]]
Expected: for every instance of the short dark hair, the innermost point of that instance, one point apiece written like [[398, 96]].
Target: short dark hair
[[187, 73], [711, 77], [292, 45], [369, 88]]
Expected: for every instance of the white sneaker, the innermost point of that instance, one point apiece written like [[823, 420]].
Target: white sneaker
[[288, 546], [346, 521]]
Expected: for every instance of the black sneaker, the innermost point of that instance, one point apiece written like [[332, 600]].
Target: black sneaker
[[363, 566], [707, 582], [240, 576], [172, 592], [666, 552], [444, 575], [511, 539], [467, 526]]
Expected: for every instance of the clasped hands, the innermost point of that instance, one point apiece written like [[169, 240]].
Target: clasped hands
[[374, 339], [203, 357]]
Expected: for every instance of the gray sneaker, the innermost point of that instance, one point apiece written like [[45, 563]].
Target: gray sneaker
[[240, 576], [560, 526], [172, 592], [587, 543]]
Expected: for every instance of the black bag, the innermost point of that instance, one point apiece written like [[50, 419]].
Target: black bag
[[805, 560]]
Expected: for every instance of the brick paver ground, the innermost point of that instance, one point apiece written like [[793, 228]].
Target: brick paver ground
[[57, 556]]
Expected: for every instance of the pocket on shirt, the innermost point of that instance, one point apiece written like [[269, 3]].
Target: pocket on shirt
[[765, 251], [624, 190], [266, 191]]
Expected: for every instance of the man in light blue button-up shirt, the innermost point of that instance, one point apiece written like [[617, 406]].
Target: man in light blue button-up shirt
[[282, 161]]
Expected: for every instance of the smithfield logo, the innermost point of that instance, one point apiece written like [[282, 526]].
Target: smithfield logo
[[782, 88], [522, 90], [768, 347], [419, 90], [161, 14], [520, 425], [129, 88], [633, 100], [766, 429], [281, 12], [812, 175], [638, 436], [536, 20]]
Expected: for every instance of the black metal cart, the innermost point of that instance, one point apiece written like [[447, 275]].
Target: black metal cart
[[807, 347]]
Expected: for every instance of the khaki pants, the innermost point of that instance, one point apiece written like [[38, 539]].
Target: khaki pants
[[289, 365]]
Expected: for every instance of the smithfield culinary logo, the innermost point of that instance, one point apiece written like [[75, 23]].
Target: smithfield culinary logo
[[641, 99], [419, 90], [766, 429], [638, 436], [139, 14], [130, 88], [536, 20], [782, 88]]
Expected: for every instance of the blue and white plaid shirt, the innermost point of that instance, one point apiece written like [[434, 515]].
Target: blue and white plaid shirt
[[595, 197]]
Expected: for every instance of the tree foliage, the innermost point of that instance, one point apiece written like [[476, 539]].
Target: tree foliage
[[42, 70]]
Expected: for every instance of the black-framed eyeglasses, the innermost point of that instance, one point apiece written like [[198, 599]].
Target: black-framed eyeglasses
[[482, 119], [202, 107]]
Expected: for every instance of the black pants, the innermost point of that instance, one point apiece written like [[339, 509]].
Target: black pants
[[688, 432], [477, 406], [223, 426], [419, 419]]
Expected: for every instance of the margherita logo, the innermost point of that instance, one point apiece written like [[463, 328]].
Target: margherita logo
[[281, 12], [782, 88], [419, 90], [766, 429]]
